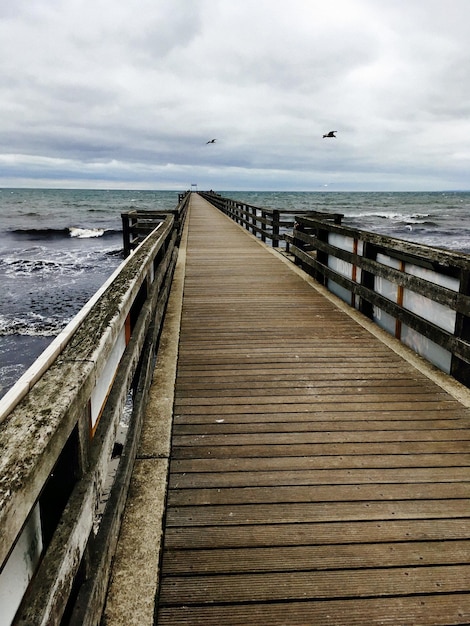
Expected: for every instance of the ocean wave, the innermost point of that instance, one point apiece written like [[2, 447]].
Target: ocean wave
[[394, 217], [86, 233], [455, 243], [429, 223], [43, 262], [421, 223], [32, 325], [41, 233], [70, 265], [26, 267], [70, 231]]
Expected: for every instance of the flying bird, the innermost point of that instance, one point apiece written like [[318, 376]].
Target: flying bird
[[214, 140], [330, 134]]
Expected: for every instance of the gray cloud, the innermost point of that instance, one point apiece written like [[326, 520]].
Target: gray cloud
[[126, 94]]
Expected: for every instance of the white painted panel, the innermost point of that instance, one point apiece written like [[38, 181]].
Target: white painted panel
[[104, 382], [339, 291], [429, 350], [342, 242], [385, 287], [384, 320], [342, 267], [20, 568], [434, 277], [388, 261], [438, 314]]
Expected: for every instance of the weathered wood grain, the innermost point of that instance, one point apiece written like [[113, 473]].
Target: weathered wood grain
[[445, 610], [316, 477]]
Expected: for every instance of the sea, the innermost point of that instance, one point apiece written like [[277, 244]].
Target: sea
[[57, 247]]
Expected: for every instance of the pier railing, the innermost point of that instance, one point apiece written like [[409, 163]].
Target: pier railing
[[65, 437], [418, 293], [137, 224], [265, 223], [68, 439]]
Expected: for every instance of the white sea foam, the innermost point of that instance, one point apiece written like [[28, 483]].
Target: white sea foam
[[58, 264], [31, 325], [86, 233], [394, 217], [26, 267]]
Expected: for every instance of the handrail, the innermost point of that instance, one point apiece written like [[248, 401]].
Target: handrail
[[418, 293], [50, 354], [262, 222], [59, 439], [137, 224]]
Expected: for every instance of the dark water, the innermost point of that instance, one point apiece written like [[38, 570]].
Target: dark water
[[57, 247], [440, 219]]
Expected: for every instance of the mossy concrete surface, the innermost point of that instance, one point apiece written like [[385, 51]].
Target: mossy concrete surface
[[135, 574]]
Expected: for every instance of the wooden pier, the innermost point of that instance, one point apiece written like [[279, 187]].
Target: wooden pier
[[319, 472]]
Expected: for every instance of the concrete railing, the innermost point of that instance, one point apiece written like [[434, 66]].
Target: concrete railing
[[63, 437]]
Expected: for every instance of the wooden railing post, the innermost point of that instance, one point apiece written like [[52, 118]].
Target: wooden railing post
[[460, 369], [298, 243], [275, 228], [322, 257], [368, 279], [263, 232], [252, 211], [126, 234]]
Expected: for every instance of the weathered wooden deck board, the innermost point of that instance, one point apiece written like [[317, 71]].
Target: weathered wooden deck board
[[316, 476], [310, 533]]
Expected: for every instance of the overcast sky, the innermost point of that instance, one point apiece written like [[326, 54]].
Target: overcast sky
[[125, 94]]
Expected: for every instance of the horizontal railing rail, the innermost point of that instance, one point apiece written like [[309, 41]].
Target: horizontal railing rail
[[418, 293], [265, 223], [63, 439], [137, 224]]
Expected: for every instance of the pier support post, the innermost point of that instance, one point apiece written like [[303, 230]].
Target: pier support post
[[460, 369]]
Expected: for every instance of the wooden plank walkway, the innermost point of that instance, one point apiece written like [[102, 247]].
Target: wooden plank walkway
[[316, 476]]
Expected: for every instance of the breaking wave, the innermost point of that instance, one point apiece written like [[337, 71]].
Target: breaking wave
[[43, 267], [70, 231], [403, 218], [32, 325]]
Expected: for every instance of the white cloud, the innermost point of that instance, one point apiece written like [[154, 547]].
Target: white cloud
[[95, 91]]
